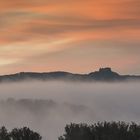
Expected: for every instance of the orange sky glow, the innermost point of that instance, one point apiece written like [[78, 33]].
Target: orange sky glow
[[69, 35]]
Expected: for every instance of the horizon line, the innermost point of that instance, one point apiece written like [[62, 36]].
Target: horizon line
[[63, 71]]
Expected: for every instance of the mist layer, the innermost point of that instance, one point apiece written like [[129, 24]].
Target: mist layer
[[47, 107]]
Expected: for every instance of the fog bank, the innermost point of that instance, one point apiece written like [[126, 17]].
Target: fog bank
[[47, 107]]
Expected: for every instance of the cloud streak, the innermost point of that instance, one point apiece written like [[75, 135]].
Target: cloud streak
[[31, 25]]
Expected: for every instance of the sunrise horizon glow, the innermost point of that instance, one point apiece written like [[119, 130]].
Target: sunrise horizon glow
[[77, 36]]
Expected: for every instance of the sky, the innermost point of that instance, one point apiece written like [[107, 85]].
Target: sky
[[78, 36]]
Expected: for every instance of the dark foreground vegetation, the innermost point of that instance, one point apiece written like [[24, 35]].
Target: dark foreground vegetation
[[19, 134], [102, 131], [97, 131]]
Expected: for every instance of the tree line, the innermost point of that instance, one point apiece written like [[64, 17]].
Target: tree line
[[102, 131], [96, 131]]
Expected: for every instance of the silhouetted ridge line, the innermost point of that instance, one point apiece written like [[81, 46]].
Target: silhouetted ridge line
[[103, 74]]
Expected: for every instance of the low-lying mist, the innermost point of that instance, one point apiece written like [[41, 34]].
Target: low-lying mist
[[47, 107]]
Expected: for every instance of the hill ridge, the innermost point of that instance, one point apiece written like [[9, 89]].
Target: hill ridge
[[103, 74]]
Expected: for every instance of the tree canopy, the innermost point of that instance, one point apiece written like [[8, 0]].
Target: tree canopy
[[19, 134], [102, 131], [96, 131]]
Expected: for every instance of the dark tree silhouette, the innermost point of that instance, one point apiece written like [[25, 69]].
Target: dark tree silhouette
[[4, 134], [102, 131], [19, 134], [97, 131], [24, 134], [77, 132]]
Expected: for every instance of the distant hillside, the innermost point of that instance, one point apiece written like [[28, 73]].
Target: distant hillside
[[103, 74]]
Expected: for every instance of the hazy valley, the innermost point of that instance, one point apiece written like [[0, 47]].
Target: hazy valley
[[48, 106]]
